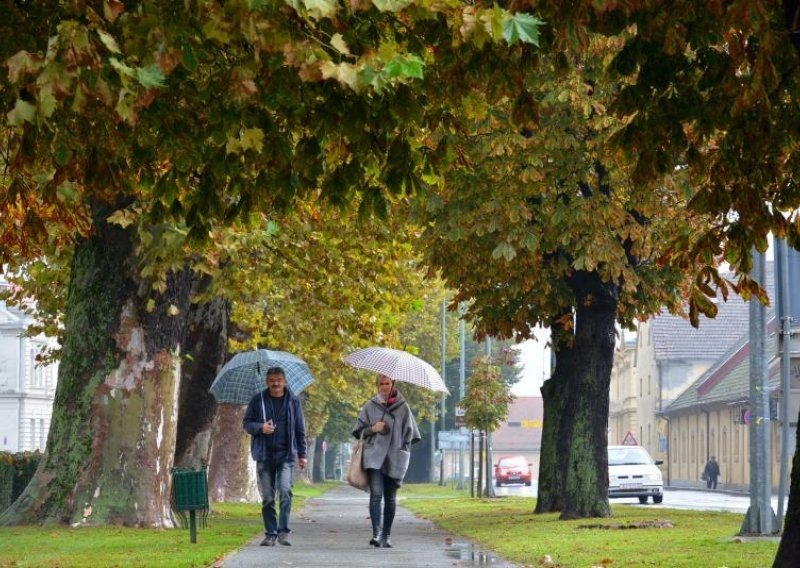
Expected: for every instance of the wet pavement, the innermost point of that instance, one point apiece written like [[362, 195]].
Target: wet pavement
[[334, 530]]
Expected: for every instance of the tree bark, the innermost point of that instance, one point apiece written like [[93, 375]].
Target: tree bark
[[583, 431], [789, 547], [317, 475], [230, 477], [550, 493], [112, 441], [205, 350]]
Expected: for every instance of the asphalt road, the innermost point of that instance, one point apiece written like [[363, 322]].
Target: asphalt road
[[692, 499]]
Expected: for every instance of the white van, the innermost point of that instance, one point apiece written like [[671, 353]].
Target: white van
[[633, 473]]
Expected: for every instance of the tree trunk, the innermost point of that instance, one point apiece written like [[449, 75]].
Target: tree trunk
[[229, 472], [550, 493], [112, 440], [317, 474], [583, 432], [789, 548], [205, 349]]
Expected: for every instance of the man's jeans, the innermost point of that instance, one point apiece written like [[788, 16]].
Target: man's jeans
[[275, 478]]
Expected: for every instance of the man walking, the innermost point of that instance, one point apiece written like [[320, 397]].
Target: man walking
[[274, 419], [712, 473]]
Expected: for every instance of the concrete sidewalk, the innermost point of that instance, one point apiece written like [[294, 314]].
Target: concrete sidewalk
[[334, 530]]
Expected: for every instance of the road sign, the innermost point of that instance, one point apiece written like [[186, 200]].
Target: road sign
[[629, 440], [452, 439]]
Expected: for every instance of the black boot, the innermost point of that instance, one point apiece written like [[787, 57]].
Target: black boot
[[376, 537], [384, 541]]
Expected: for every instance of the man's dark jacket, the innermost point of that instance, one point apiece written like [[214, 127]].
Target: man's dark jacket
[[260, 411]]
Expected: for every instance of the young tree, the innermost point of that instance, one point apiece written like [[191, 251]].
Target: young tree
[[486, 403]]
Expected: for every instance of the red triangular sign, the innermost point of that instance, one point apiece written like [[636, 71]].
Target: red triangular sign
[[629, 440]]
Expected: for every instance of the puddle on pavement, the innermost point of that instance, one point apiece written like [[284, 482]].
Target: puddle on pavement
[[470, 554]]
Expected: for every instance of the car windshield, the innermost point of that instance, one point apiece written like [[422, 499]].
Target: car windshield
[[628, 456], [512, 462]]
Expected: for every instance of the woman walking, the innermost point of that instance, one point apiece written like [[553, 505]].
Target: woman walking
[[389, 429]]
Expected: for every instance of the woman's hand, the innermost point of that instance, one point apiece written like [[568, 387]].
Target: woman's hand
[[378, 427]]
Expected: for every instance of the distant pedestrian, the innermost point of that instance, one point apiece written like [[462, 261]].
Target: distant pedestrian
[[389, 429], [711, 473], [274, 419]]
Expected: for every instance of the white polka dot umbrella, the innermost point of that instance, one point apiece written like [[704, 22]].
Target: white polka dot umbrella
[[398, 365]]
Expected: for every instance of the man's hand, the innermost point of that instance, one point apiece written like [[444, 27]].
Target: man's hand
[[378, 426], [268, 427], [302, 462]]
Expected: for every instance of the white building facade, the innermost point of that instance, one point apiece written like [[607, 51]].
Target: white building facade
[[27, 389]]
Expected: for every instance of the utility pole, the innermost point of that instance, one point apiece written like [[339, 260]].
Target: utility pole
[[461, 380], [442, 408], [782, 288], [760, 519]]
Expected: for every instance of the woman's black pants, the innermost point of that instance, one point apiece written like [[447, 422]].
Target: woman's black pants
[[382, 487]]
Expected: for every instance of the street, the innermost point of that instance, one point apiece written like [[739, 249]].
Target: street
[[699, 500]]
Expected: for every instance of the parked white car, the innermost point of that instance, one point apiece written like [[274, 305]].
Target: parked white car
[[632, 472]]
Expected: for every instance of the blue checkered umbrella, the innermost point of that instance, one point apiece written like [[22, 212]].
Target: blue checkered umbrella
[[244, 375]]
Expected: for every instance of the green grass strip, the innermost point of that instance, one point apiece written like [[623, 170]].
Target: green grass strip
[[230, 526], [507, 526]]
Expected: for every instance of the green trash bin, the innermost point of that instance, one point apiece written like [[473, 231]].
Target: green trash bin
[[190, 493]]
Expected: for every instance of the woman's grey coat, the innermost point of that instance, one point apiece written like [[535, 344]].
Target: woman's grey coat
[[389, 450]]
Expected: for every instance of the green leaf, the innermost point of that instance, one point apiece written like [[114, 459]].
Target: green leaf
[[121, 68], [68, 192], [252, 139], [151, 76], [320, 8], [403, 67], [189, 58], [522, 27], [505, 251], [23, 112], [391, 5], [109, 41]]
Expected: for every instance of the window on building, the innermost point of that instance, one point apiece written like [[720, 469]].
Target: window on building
[[649, 384], [692, 448], [32, 423], [649, 436], [640, 387]]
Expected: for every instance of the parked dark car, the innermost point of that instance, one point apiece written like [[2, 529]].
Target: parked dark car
[[512, 469]]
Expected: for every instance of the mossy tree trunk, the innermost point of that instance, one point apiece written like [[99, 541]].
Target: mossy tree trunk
[[112, 440], [317, 474], [205, 350], [550, 493], [583, 433]]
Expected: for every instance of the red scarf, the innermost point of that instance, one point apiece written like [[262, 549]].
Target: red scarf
[[392, 398]]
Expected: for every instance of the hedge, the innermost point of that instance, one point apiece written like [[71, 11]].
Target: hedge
[[16, 470]]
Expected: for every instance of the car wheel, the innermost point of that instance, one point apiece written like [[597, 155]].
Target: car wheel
[[643, 500], [527, 484], [497, 484], [658, 498]]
